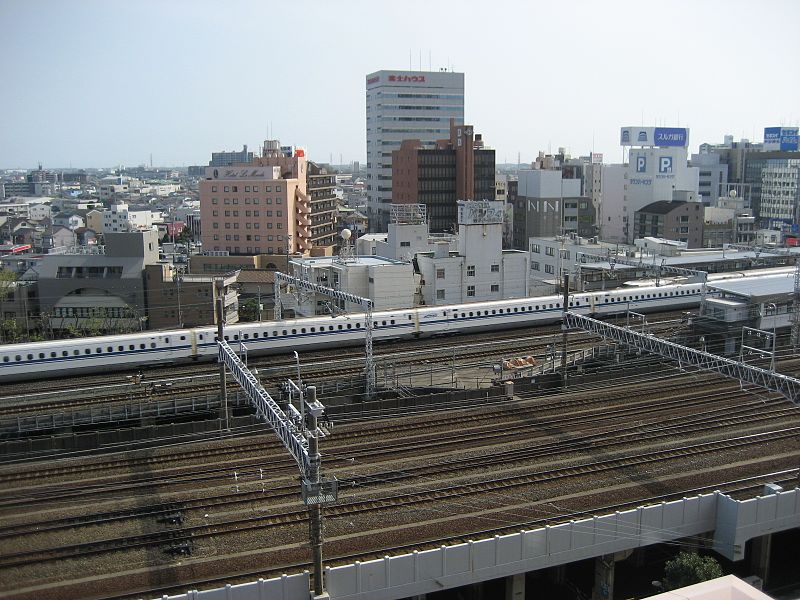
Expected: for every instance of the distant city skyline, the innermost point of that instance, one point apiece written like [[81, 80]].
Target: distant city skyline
[[100, 84]]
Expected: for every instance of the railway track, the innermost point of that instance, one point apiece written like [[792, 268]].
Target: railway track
[[481, 425], [16, 398], [359, 507]]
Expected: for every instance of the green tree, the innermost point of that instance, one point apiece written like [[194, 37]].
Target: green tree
[[688, 568]]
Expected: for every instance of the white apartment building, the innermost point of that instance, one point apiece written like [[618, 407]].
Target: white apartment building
[[408, 235], [119, 218], [481, 269], [405, 105], [653, 172], [388, 283]]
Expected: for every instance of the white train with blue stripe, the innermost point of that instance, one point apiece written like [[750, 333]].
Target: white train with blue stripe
[[29, 361]]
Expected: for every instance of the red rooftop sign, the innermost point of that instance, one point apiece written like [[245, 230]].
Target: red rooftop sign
[[409, 78]]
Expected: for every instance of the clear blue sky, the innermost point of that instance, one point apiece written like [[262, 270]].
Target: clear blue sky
[[105, 82]]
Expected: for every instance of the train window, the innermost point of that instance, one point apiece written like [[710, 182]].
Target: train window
[[226, 338], [17, 357], [246, 336], [294, 331], [340, 327], [605, 300], [494, 312], [152, 344], [30, 356], [64, 353], [110, 349], [391, 322], [537, 307], [330, 327], [5, 359], [41, 354], [76, 352], [141, 346], [486, 312], [303, 330], [98, 350], [52, 355], [87, 350], [284, 332], [236, 337], [255, 335], [201, 336], [551, 306], [516, 309], [470, 314], [274, 333], [349, 326], [183, 337], [384, 322]]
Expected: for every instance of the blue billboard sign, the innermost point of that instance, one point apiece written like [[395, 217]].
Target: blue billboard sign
[[781, 138], [671, 136]]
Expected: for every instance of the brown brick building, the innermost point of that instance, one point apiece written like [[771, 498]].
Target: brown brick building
[[456, 169]]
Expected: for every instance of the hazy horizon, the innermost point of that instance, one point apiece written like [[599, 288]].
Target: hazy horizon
[[99, 84]]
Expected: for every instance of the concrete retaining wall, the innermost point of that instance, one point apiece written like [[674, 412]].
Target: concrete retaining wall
[[733, 523]]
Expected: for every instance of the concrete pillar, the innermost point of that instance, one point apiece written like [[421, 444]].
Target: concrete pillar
[[603, 578], [761, 555], [560, 574], [515, 587]]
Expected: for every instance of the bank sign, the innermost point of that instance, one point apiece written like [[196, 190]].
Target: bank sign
[[781, 138], [654, 136]]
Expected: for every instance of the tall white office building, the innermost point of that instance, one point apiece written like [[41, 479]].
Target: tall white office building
[[404, 105]]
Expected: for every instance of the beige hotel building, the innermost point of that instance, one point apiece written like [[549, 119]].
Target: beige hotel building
[[261, 207]]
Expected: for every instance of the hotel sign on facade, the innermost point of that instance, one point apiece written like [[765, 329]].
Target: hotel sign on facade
[[243, 172]]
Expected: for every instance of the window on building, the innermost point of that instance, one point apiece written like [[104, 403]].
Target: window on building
[[549, 251], [405, 244], [470, 291], [470, 270], [535, 248], [439, 273], [226, 189], [535, 266], [548, 269], [495, 287], [213, 188], [440, 294], [495, 268]]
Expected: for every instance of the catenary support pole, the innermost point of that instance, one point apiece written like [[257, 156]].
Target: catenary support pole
[[223, 384], [564, 328]]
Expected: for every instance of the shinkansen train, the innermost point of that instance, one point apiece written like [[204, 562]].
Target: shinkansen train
[[131, 351]]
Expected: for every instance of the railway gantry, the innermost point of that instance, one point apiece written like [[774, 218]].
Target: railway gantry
[[771, 380]]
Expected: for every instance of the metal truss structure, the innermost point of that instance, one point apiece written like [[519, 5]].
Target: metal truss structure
[[658, 269], [796, 307], [365, 303], [770, 380], [266, 408]]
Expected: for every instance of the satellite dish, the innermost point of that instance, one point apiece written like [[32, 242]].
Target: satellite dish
[[732, 194], [346, 233]]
